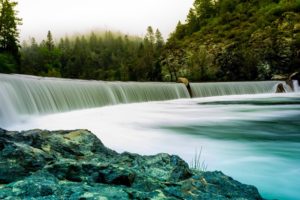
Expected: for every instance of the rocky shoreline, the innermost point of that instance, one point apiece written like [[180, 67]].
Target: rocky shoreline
[[40, 164]]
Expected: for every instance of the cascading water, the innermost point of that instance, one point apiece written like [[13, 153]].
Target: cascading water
[[235, 88], [256, 133], [296, 86], [254, 139], [30, 95], [23, 95]]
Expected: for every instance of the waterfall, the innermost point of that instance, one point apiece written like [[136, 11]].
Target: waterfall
[[23, 95], [296, 86], [235, 88]]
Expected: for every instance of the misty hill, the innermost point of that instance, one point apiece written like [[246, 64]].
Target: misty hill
[[96, 55]]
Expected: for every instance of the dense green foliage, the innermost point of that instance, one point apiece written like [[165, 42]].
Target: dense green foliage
[[9, 44], [221, 40], [235, 40], [101, 56]]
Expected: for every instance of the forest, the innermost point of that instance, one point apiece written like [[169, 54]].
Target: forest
[[236, 40], [99, 56], [221, 40]]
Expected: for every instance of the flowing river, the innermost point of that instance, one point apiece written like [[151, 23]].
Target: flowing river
[[253, 138]]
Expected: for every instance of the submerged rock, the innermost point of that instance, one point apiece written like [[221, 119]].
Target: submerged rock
[[39, 164]]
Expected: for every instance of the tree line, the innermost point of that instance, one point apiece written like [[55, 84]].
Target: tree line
[[100, 56], [221, 40]]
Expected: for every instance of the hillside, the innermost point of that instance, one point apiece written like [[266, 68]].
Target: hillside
[[230, 40]]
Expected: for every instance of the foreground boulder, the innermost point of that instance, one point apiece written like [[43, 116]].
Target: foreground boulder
[[40, 164]]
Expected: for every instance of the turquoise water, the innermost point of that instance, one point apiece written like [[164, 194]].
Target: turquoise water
[[270, 139], [253, 138]]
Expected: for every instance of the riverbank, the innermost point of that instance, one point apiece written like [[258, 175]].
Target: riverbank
[[40, 164]]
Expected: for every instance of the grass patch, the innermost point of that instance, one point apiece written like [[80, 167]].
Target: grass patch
[[197, 162]]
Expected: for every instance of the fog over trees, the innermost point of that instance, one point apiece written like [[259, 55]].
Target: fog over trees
[[221, 40]]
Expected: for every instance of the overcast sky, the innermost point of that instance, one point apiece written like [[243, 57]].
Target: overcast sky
[[78, 16]]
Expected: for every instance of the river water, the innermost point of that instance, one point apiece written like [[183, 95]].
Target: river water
[[253, 138]]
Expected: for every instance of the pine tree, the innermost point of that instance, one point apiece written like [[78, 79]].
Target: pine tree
[[180, 31], [192, 22], [159, 40], [204, 8], [8, 27], [150, 35], [49, 41], [9, 43]]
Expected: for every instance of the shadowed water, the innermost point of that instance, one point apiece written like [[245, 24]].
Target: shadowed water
[[253, 138]]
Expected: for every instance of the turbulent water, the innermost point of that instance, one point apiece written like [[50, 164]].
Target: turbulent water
[[253, 138]]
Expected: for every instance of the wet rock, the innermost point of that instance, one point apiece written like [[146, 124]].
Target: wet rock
[[186, 82], [183, 80], [40, 164], [280, 88]]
